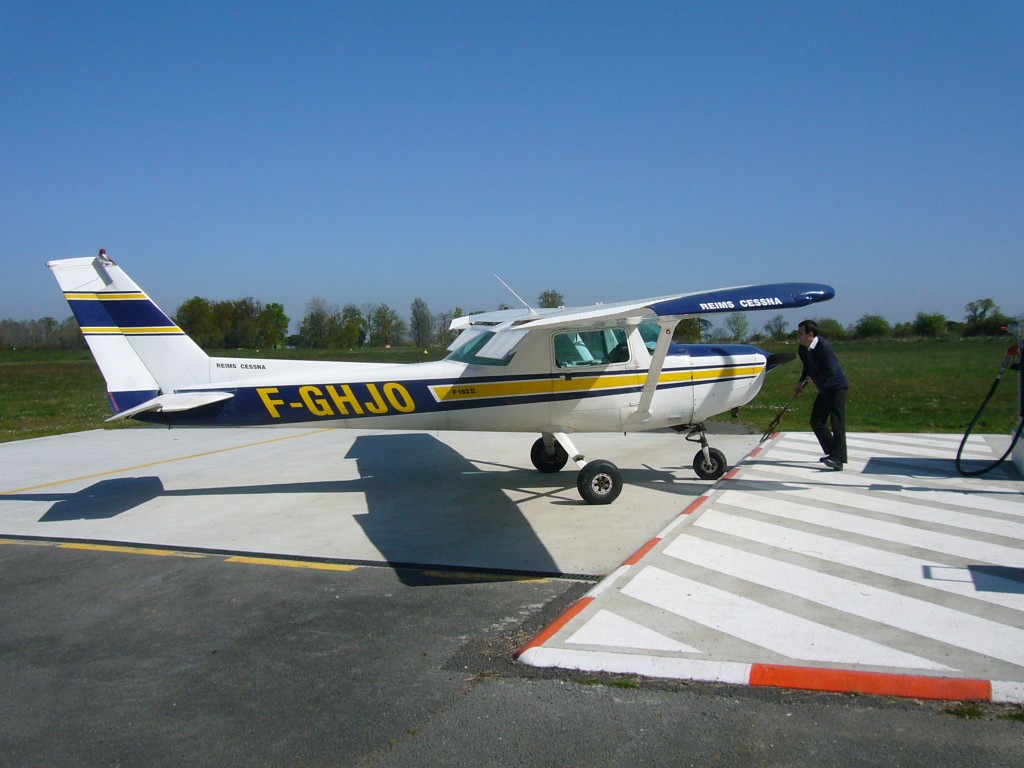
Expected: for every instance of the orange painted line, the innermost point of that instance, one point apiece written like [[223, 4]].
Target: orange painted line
[[754, 452], [847, 681], [556, 625], [693, 506], [638, 555], [731, 473]]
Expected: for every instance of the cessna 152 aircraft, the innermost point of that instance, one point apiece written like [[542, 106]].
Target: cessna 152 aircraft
[[604, 368]]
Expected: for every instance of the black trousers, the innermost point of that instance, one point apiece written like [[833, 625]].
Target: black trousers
[[830, 406]]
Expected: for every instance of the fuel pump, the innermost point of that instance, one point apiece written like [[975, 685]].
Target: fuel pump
[[1012, 362]]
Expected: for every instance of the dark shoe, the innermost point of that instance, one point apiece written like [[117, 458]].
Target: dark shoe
[[832, 463], [824, 459]]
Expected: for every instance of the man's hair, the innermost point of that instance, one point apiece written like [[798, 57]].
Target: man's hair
[[809, 326]]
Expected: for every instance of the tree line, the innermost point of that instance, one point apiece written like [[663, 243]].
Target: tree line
[[982, 318], [250, 324]]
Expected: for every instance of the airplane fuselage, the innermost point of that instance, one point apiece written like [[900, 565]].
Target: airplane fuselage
[[533, 391]]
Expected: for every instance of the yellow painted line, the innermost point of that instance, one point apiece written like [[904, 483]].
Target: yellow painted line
[[291, 563], [73, 296], [128, 550], [162, 461]]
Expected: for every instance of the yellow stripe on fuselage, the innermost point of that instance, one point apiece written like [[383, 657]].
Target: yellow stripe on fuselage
[[722, 373], [581, 383]]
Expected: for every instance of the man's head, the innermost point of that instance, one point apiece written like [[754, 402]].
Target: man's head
[[806, 331]]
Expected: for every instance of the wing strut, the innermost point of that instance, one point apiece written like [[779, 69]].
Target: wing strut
[[667, 327]]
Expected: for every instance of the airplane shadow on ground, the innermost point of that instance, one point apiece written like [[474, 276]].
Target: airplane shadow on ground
[[426, 505], [937, 468]]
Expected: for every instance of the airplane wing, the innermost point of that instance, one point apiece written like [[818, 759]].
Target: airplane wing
[[510, 326], [744, 298]]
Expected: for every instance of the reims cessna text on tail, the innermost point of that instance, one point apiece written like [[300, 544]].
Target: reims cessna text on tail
[[556, 372]]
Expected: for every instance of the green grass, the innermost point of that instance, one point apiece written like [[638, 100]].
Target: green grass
[[909, 386], [918, 386]]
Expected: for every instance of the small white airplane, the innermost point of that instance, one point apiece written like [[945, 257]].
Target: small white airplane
[[604, 368]]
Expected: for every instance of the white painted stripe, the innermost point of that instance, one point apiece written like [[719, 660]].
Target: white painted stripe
[[853, 477], [1007, 693], [890, 564], [929, 514], [670, 667], [882, 440], [607, 628], [607, 581], [909, 614], [970, 549], [881, 452], [762, 625]]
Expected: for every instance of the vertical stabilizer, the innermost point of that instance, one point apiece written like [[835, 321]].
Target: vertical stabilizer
[[141, 352]]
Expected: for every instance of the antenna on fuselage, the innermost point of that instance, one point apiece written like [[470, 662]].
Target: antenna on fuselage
[[532, 310]]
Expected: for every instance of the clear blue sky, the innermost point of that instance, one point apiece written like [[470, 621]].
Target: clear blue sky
[[384, 151]]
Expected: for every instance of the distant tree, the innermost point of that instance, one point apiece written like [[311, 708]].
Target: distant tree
[[776, 328], [195, 317], [932, 326], [737, 326], [271, 326], [421, 324], [353, 327], [44, 333], [831, 329], [980, 310], [443, 322], [386, 327], [903, 330], [872, 327], [551, 300], [70, 335], [984, 318], [692, 330], [317, 327], [243, 330]]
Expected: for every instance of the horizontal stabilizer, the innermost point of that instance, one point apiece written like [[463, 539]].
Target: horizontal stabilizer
[[184, 401]]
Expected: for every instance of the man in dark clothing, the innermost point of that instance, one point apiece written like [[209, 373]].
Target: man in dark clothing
[[822, 367]]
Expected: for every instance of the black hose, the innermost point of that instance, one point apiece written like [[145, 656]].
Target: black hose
[[970, 428]]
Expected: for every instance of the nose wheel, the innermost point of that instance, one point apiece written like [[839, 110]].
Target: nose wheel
[[709, 463], [710, 467]]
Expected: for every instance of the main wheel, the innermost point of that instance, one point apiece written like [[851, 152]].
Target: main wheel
[[548, 462], [599, 482], [711, 469]]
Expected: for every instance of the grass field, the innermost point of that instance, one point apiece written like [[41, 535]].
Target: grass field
[[912, 386]]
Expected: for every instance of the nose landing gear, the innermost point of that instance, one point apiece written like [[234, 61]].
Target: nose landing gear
[[709, 463]]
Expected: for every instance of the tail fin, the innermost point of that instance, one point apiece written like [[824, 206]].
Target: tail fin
[[139, 349]]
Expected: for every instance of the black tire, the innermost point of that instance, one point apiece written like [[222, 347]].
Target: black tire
[[548, 462], [713, 468], [599, 482]]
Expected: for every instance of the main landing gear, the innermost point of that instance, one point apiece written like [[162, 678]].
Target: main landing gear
[[600, 481]]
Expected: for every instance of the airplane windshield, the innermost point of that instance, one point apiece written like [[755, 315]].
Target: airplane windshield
[[467, 353]]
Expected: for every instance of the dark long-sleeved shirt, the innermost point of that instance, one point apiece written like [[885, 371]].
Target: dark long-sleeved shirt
[[822, 366]]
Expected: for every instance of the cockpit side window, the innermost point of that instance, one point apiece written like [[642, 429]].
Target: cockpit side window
[[589, 348]]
